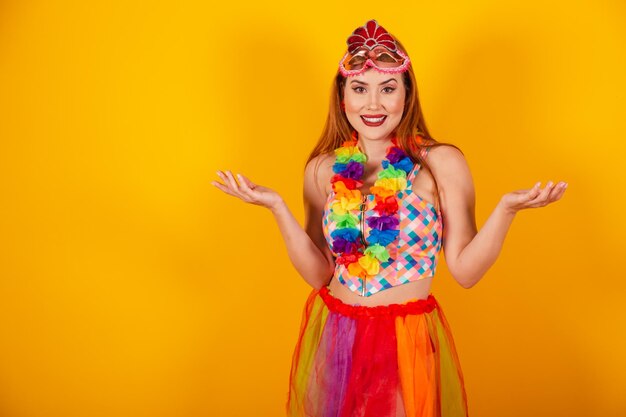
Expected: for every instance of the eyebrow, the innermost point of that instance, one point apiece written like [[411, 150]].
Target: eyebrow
[[364, 83]]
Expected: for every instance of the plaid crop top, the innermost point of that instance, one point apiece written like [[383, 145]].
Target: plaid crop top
[[415, 252]]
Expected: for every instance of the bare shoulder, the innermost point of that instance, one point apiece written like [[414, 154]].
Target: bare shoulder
[[457, 194], [449, 165], [318, 172], [322, 159]]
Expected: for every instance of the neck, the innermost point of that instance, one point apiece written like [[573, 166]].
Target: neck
[[374, 149]]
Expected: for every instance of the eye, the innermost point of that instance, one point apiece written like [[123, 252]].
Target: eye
[[391, 89], [357, 89]]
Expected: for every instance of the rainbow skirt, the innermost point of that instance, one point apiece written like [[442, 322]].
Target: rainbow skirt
[[397, 360]]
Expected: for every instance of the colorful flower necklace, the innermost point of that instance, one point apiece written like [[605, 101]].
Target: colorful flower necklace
[[363, 260]]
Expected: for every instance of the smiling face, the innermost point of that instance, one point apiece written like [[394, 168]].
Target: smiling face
[[374, 103]]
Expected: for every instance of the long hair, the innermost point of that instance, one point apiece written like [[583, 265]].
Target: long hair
[[412, 133]]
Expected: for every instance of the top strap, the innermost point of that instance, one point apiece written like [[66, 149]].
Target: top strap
[[423, 153]]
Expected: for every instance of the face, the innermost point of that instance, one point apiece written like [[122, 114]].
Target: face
[[374, 103]]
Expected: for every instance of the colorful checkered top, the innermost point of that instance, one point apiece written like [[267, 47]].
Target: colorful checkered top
[[414, 254]]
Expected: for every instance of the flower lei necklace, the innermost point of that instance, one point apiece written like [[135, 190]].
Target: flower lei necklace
[[360, 259]]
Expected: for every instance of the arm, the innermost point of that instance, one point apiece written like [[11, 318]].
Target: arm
[[307, 247], [307, 250], [470, 254]]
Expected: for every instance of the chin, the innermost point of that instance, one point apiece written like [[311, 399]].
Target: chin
[[374, 133]]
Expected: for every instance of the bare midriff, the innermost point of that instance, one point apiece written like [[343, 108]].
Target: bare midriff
[[395, 295]]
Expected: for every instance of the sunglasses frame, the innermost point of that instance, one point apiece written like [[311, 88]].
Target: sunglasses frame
[[370, 63]]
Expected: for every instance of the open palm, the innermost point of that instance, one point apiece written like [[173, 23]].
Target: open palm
[[534, 197], [247, 190]]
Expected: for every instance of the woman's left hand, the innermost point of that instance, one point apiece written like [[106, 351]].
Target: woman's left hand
[[535, 197]]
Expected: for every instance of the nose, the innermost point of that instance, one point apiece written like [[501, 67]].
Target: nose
[[374, 100]]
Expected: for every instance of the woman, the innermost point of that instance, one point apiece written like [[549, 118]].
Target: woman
[[374, 341]]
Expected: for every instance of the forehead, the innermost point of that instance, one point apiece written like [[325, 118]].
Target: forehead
[[372, 76]]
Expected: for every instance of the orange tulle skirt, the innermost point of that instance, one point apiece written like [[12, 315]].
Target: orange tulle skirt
[[385, 361]]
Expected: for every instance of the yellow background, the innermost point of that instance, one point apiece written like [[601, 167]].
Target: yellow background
[[130, 286]]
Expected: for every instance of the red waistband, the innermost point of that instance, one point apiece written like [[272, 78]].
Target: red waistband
[[392, 310]]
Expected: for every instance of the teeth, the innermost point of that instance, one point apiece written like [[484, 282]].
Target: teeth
[[380, 119]]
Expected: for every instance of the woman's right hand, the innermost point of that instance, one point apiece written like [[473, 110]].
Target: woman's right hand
[[247, 190]]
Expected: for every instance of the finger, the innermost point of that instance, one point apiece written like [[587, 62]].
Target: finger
[[245, 180], [557, 189], [249, 183], [557, 196], [232, 182], [223, 177], [244, 188], [560, 191], [228, 183], [223, 188], [533, 192], [542, 199], [551, 193]]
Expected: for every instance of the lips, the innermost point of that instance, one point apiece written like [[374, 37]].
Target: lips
[[374, 119]]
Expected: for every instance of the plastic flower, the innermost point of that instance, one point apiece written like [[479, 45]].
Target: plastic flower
[[363, 259]]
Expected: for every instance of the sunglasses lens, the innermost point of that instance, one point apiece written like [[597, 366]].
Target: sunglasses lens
[[387, 59], [356, 62]]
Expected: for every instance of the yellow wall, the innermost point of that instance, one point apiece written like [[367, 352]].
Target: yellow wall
[[130, 286]]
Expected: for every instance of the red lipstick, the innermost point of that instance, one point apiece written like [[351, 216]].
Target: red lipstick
[[373, 120]]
